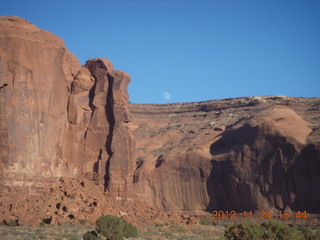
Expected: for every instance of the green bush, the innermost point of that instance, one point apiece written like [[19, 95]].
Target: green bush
[[266, 231], [205, 222], [243, 231], [91, 235], [12, 223], [129, 230], [83, 221], [42, 224], [277, 230], [308, 234], [110, 227]]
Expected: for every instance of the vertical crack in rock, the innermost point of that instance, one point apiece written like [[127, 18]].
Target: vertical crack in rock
[[120, 164], [109, 142], [111, 120], [108, 132], [91, 95]]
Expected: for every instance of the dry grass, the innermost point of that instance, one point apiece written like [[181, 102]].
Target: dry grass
[[164, 231], [58, 232], [75, 232]]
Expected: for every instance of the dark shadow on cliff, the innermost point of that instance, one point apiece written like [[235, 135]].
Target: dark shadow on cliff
[[225, 193], [111, 120], [233, 140], [253, 165], [305, 175]]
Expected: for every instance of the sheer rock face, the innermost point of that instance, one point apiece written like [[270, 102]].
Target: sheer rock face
[[58, 119], [35, 74], [108, 141], [122, 144]]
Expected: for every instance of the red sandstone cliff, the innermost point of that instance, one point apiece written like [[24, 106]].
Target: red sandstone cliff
[[36, 70], [232, 154], [58, 119]]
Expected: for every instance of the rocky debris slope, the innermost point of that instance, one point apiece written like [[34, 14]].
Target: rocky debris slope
[[59, 120], [71, 200]]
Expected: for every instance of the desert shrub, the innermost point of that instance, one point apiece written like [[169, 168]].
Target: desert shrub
[[129, 230], [91, 235], [205, 222], [242, 231], [308, 234], [42, 224], [161, 224], [110, 227], [12, 223], [83, 221], [277, 230], [266, 231]]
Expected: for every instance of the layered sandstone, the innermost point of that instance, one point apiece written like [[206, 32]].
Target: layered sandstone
[[231, 154]]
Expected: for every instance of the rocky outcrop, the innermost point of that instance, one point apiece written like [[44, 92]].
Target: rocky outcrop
[[58, 119], [36, 71], [122, 143], [108, 143]]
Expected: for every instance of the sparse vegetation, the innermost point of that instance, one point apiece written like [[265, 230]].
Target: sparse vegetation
[[113, 228], [129, 230], [314, 107], [154, 133], [12, 223], [308, 234], [91, 235], [42, 224], [204, 221], [162, 150], [161, 230], [110, 227], [267, 230], [83, 221], [48, 232]]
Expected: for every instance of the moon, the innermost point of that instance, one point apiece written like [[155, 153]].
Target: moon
[[166, 96]]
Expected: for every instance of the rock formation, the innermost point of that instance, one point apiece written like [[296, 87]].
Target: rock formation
[[58, 119], [36, 70], [72, 147], [232, 154]]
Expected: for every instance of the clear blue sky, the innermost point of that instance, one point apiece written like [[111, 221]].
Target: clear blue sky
[[193, 49]]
